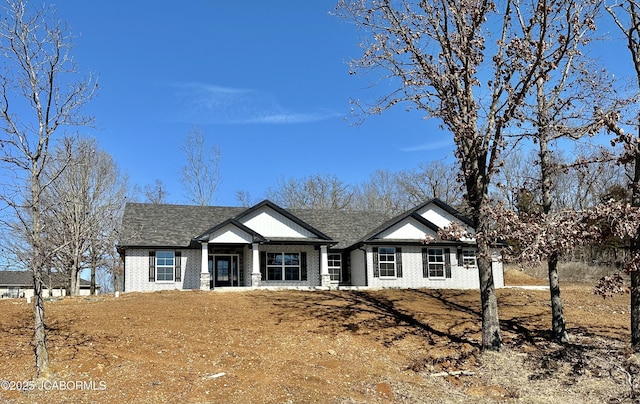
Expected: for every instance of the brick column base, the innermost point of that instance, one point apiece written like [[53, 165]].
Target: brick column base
[[256, 279], [205, 281], [325, 280]]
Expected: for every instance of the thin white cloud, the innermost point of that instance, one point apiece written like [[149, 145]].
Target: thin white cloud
[[429, 146], [209, 103]]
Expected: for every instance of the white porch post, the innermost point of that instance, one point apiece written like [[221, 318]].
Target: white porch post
[[205, 278], [256, 276], [325, 278]]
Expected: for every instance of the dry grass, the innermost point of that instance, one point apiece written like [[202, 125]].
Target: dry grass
[[324, 346], [570, 272]]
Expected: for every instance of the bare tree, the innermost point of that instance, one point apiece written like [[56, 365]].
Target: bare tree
[[582, 183], [201, 172], [245, 199], [626, 15], [462, 63], [155, 193], [517, 175], [393, 193], [380, 193], [564, 89], [86, 201], [39, 96], [435, 179], [316, 191]]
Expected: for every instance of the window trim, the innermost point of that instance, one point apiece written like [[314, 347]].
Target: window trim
[[165, 267], [472, 256], [391, 252], [431, 254], [334, 267], [283, 267]]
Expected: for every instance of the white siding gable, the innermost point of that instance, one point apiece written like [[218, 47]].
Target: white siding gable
[[270, 223], [408, 229], [230, 234], [440, 217], [437, 216]]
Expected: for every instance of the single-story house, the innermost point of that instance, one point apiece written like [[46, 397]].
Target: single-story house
[[206, 247], [14, 284]]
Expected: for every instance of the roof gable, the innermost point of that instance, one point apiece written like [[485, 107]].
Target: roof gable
[[230, 231], [416, 223], [270, 220], [410, 228]]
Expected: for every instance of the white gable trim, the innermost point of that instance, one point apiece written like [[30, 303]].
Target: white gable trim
[[269, 223], [230, 234], [441, 217], [407, 229]]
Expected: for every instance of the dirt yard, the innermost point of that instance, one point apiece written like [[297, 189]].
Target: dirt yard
[[379, 346]]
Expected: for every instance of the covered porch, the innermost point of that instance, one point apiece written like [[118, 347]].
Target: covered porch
[[259, 264]]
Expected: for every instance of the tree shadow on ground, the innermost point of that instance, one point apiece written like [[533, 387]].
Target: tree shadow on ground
[[369, 313], [452, 319]]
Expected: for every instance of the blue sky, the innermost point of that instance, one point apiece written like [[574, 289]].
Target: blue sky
[[267, 82]]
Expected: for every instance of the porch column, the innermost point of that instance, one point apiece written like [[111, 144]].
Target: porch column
[[256, 276], [205, 278], [325, 278]]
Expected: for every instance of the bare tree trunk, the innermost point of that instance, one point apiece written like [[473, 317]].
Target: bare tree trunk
[[491, 338], [634, 251], [92, 289], [40, 334], [37, 262], [50, 283], [558, 324], [635, 306]]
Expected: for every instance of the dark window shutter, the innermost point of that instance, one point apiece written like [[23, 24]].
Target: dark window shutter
[[346, 267], [263, 265], [447, 262], [152, 266], [303, 266], [398, 262], [459, 256], [425, 262], [178, 266], [376, 267]]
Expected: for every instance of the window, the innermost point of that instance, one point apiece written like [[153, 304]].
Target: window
[[283, 266], [335, 265], [13, 292], [469, 258], [436, 261], [165, 264], [387, 261]]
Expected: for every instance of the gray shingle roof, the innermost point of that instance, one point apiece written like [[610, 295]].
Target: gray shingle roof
[[150, 225], [169, 225]]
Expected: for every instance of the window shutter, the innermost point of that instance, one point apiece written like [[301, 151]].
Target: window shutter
[[303, 266], [398, 262], [447, 262], [346, 268], [425, 263], [152, 266], [376, 269], [263, 265], [178, 266], [459, 256]]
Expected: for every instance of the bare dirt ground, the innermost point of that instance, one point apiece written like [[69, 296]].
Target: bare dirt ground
[[378, 346]]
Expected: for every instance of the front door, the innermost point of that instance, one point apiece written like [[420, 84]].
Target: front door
[[225, 270]]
